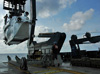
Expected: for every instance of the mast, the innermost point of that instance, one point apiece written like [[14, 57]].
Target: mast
[[32, 18]]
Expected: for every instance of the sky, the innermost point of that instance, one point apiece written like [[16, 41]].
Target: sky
[[68, 16]]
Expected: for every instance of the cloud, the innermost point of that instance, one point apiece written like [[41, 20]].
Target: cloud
[[2, 14], [47, 8], [1, 33], [65, 3], [1, 29], [1, 2], [78, 20], [21, 48], [42, 29]]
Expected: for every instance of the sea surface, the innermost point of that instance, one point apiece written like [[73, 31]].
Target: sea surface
[[3, 57]]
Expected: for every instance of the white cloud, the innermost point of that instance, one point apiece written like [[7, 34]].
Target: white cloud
[[1, 29], [47, 8], [1, 1], [64, 3], [42, 29], [21, 48], [1, 33], [78, 20], [2, 14], [71, 1]]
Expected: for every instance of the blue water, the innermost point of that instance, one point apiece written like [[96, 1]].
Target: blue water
[[3, 57]]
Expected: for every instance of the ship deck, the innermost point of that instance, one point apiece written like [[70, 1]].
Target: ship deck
[[65, 68]]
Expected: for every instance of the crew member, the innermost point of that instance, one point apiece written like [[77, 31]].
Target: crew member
[[55, 50]]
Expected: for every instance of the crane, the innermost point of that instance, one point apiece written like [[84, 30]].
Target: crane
[[16, 30], [74, 43]]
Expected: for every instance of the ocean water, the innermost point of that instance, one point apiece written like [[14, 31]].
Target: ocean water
[[3, 57]]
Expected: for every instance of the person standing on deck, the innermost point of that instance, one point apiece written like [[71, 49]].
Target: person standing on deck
[[55, 50]]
